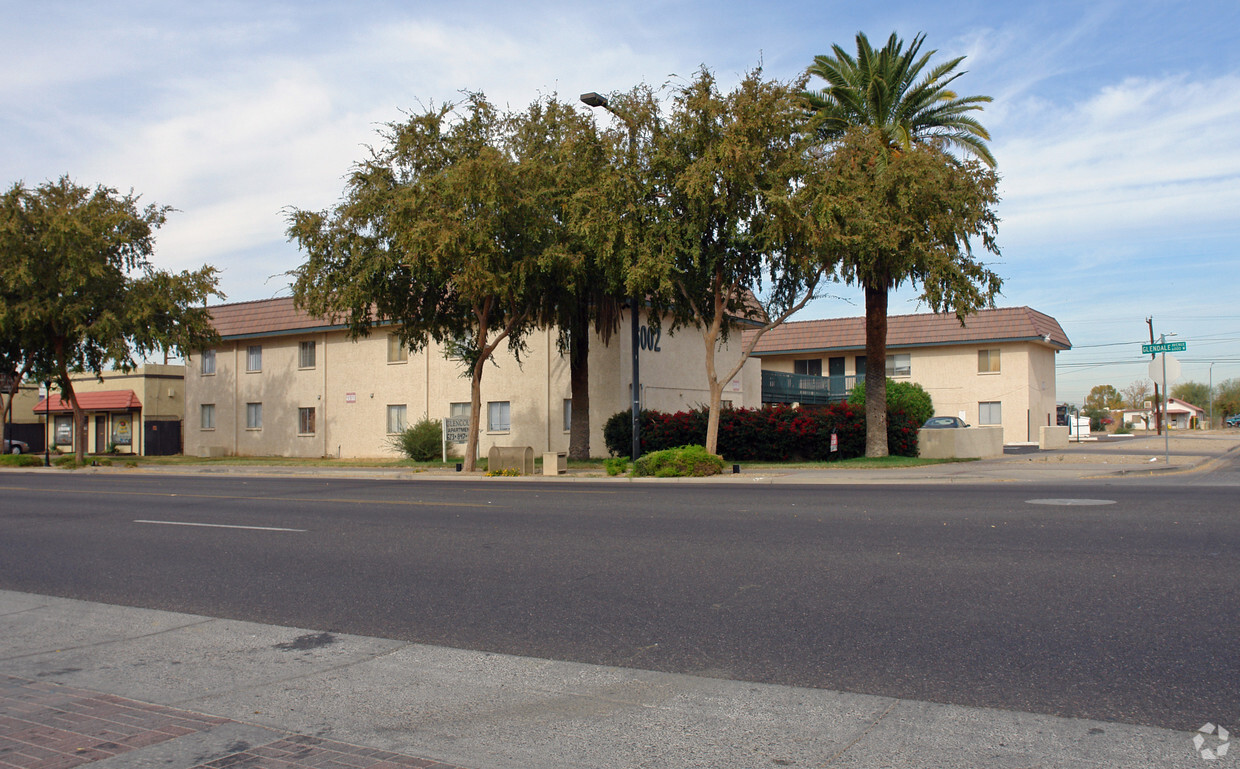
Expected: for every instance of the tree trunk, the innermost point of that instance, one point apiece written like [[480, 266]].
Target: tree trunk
[[475, 416], [876, 371], [579, 377], [79, 419]]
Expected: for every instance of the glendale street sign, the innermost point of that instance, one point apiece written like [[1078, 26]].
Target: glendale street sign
[[1150, 349]]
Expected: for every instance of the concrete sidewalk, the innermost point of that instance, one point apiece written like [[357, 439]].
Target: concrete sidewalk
[[107, 686]]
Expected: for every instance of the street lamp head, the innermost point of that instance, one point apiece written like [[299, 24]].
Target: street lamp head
[[593, 99]]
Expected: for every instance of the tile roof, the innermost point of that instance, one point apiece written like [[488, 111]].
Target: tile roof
[[263, 318], [107, 400], [1001, 324]]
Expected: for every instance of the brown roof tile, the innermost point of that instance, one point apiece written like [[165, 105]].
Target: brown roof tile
[[107, 400], [1002, 324], [264, 317]]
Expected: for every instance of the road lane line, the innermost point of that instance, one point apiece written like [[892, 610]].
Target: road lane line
[[102, 492], [222, 526]]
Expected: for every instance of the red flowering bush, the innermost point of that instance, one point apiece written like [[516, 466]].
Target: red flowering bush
[[775, 432]]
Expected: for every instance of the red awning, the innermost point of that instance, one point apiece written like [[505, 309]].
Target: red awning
[[108, 400]]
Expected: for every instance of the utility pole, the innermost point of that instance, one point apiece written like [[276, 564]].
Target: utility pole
[[1157, 403]]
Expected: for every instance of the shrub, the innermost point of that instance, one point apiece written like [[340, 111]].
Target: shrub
[[775, 432], [421, 442], [21, 460], [908, 397], [616, 465], [685, 461]]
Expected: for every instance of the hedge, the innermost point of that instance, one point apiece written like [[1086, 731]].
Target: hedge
[[774, 432]]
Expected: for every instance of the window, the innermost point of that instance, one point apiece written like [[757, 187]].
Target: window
[[499, 416], [305, 420], [306, 358], [207, 415], [990, 413], [899, 365], [253, 416], [988, 361], [568, 414], [397, 352], [254, 358], [809, 367], [458, 410], [396, 418], [64, 430], [208, 362], [859, 365]]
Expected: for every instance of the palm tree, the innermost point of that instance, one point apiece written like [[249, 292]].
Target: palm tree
[[894, 102], [880, 91]]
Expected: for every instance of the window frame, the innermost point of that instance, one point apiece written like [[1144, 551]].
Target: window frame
[[402, 423], [985, 411], [252, 410], [494, 426], [807, 366], [302, 412], [302, 348], [568, 415], [253, 353], [993, 358], [206, 416], [397, 351], [206, 366], [894, 369]]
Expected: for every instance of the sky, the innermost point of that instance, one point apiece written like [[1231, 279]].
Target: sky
[[1115, 127]]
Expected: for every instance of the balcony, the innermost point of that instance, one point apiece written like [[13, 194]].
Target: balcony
[[779, 387]]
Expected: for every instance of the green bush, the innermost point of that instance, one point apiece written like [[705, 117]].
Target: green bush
[[909, 397], [421, 442], [616, 465], [686, 461], [21, 460]]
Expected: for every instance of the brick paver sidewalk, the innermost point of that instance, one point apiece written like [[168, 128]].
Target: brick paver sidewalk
[[48, 726]]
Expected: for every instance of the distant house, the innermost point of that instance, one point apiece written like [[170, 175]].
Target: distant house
[[998, 368], [1181, 415]]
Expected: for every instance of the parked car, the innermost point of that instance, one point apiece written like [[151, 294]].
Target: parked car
[[939, 422], [1233, 421], [14, 446]]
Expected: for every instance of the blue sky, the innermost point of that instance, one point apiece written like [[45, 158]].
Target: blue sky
[[1115, 126]]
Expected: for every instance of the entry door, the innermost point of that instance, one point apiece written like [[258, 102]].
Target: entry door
[[101, 435]]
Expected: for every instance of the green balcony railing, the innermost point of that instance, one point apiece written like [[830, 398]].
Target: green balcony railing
[[780, 387]]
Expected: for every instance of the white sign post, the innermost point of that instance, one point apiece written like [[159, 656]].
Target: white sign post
[[1169, 367]]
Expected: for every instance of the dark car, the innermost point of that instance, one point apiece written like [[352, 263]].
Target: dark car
[[14, 446], [936, 422], [1232, 421]]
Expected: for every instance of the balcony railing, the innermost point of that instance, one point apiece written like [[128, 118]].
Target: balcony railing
[[780, 387]]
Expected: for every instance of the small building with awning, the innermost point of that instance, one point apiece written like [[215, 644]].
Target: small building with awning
[[110, 417], [126, 412]]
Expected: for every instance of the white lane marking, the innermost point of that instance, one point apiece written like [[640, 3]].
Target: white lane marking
[[222, 526], [1070, 502]]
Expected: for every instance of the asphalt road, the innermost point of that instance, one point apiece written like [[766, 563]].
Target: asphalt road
[[1125, 611]]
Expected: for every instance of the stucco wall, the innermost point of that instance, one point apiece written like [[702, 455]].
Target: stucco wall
[[1024, 384], [352, 384]]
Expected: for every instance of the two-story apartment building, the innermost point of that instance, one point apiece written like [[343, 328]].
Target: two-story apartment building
[[998, 368], [285, 383]]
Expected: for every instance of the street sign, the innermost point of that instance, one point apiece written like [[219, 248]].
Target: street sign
[[1150, 349], [456, 429]]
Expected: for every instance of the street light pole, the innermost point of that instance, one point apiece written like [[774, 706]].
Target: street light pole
[[598, 100]]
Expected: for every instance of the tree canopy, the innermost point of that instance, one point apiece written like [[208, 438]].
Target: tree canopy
[[78, 290], [1104, 397], [444, 233], [717, 223]]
